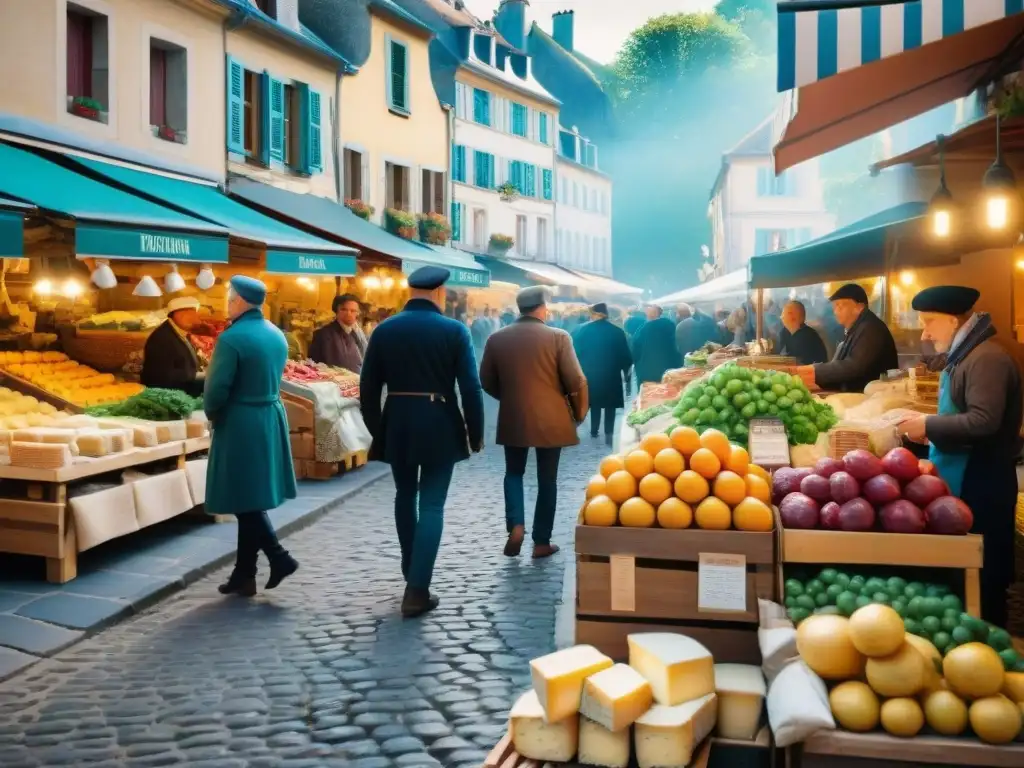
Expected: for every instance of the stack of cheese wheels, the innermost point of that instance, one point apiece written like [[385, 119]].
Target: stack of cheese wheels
[[670, 697]]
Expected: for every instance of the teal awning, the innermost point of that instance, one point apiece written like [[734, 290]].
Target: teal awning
[[208, 202], [323, 264], [466, 271], [109, 222], [12, 228], [850, 253]]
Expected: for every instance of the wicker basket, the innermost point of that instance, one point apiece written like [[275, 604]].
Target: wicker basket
[[842, 441], [782, 363], [106, 351]]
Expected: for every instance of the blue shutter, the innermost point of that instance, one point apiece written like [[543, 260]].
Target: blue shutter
[[518, 119], [763, 182], [491, 180], [543, 128], [458, 162], [456, 221], [263, 149], [530, 180], [483, 175], [515, 174], [275, 107], [236, 106], [397, 83], [546, 179], [481, 107], [762, 241], [314, 123]]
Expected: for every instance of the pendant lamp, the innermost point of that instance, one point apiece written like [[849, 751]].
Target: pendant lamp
[[174, 282], [103, 276], [1000, 187], [940, 210], [147, 288], [205, 279]]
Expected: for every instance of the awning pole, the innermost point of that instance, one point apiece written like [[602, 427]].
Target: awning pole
[[760, 314]]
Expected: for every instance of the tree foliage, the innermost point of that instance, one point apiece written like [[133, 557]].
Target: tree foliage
[[757, 19]]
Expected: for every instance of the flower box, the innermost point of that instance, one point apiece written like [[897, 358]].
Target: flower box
[[360, 209], [501, 244], [400, 223], [90, 109], [434, 228], [508, 191]]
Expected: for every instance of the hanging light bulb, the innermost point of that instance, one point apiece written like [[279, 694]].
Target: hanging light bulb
[[205, 279], [907, 277], [103, 276], [174, 282], [405, 283], [43, 287], [71, 288], [1000, 188], [940, 210], [389, 282], [147, 288]]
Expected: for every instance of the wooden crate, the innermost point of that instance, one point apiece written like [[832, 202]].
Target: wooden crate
[[842, 749], [310, 469]]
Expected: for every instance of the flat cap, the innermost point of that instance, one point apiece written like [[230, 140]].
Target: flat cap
[[428, 278], [182, 302], [599, 309], [249, 289], [946, 299], [528, 299], [850, 291]]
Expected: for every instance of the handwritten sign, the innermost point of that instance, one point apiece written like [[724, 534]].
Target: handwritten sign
[[623, 582], [722, 583], [769, 446]]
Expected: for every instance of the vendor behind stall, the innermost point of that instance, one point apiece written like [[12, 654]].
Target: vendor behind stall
[[170, 361], [340, 343], [798, 339], [867, 351], [975, 436]]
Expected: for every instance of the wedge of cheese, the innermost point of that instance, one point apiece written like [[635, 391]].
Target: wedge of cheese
[[667, 737], [615, 697], [601, 747], [741, 691], [536, 739], [558, 678], [678, 668]]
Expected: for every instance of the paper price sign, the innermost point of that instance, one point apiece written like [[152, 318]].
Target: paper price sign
[[769, 446], [722, 583]]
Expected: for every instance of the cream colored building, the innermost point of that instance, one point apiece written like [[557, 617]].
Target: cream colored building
[[584, 199]]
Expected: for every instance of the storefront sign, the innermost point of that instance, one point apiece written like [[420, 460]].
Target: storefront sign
[[150, 245], [460, 277], [292, 263], [12, 227]]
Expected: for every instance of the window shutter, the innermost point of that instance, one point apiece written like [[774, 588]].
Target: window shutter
[[491, 183], [531, 180], [543, 128], [236, 106], [456, 221], [458, 162], [546, 183], [264, 112], [763, 186], [310, 157], [276, 109], [364, 178], [397, 75]]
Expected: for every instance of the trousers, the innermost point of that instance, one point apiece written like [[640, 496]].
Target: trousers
[[255, 533], [595, 420], [547, 490], [420, 495]]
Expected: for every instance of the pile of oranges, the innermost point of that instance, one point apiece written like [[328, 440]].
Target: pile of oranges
[[676, 480]]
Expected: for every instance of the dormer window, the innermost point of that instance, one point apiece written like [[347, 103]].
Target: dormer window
[[482, 45]]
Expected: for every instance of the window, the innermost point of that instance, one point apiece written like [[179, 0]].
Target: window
[[398, 77], [88, 70], [481, 107], [563, 191], [292, 122], [604, 203], [520, 245], [168, 90], [253, 115], [516, 175], [519, 114], [456, 222], [589, 158], [432, 189], [396, 181], [546, 179], [567, 145], [543, 128], [530, 180], [576, 194], [480, 235], [770, 185], [458, 162], [269, 7], [483, 170], [542, 237], [768, 241], [354, 175]]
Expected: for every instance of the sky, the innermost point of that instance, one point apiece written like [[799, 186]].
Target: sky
[[601, 25]]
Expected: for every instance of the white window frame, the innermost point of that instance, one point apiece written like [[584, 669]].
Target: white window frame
[[106, 130], [150, 31]]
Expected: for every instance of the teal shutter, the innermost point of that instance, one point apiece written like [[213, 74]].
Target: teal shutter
[[311, 153], [489, 161], [483, 175], [518, 120], [530, 180], [764, 182], [458, 162], [236, 106], [515, 174], [275, 109], [481, 107], [546, 182], [398, 76], [543, 128], [456, 221], [263, 149]]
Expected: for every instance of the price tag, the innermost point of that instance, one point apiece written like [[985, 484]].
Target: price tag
[[769, 446], [722, 583], [623, 582]]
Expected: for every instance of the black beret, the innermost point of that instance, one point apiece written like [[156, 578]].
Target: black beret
[[428, 278], [946, 299], [599, 309], [850, 291]]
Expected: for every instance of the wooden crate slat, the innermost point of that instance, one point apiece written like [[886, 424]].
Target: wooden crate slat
[[911, 550], [500, 752], [924, 750], [737, 646], [45, 541], [662, 544], [22, 510]]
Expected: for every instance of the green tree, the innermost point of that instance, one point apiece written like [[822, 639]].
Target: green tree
[[756, 18]]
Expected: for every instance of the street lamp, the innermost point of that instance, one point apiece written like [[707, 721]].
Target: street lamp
[[1000, 187], [940, 210]]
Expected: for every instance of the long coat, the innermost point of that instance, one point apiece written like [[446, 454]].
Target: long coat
[[250, 467], [170, 362], [695, 331], [867, 352], [654, 349], [604, 356], [420, 350], [532, 370]]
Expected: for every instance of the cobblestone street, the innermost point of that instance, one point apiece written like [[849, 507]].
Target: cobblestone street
[[323, 672]]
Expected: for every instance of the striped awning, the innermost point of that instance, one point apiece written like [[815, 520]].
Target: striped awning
[[821, 38]]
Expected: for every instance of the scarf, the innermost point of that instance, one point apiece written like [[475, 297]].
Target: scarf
[[976, 330]]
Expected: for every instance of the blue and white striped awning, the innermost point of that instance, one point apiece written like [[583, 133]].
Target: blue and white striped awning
[[820, 38]]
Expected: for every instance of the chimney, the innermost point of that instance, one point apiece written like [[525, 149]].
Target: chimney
[[562, 28], [510, 21], [288, 14]]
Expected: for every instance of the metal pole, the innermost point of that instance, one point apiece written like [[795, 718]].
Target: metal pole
[[760, 314]]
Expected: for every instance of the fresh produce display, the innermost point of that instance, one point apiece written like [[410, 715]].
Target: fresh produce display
[[306, 372], [122, 321], [678, 480], [897, 494], [301, 372], [153, 404], [884, 675], [928, 611], [67, 379], [18, 411], [636, 418]]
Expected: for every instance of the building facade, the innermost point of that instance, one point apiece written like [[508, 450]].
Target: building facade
[[584, 204]]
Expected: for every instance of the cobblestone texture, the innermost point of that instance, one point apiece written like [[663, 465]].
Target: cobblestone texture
[[323, 672]]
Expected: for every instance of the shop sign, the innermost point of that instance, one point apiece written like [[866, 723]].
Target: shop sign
[[11, 235], [460, 277], [150, 245], [293, 263]]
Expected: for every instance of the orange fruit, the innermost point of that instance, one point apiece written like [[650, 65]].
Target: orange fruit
[[717, 443], [611, 464], [620, 486], [758, 488], [669, 462], [595, 486], [655, 488], [674, 513], [691, 487], [637, 513], [685, 440], [713, 514], [761, 472], [705, 463], [752, 515], [600, 510], [738, 461], [730, 488], [639, 463], [655, 442]]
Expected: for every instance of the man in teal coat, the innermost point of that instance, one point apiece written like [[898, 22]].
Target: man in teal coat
[[250, 466]]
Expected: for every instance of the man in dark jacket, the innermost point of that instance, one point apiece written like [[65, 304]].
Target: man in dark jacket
[[340, 343], [654, 347], [634, 322], [867, 351], [603, 352], [695, 331], [420, 355], [798, 339], [975, 436], [169, 359]]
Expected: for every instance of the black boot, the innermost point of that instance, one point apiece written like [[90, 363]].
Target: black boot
[[243, 586], [417, 602], [280, 569]]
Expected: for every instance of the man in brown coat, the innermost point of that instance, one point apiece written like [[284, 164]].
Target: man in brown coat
[[532, 370]]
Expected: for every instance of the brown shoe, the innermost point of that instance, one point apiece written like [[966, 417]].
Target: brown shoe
[[544, 550], [243, 587], [417, 602], [515, 541]]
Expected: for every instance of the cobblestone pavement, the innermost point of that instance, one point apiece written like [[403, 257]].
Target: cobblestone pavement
[[322, 672]]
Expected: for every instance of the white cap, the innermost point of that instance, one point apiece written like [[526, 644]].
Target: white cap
[[182, 302]]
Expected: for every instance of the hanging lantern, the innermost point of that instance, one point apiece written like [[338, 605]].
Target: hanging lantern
[[147, 288], [174, 282]]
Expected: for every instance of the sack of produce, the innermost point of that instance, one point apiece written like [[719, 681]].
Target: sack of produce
[[776, 637], [798, 705], [844, 401]]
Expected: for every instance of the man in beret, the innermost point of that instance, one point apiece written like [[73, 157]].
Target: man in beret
[[654, 347], [975, 436], [603, 352], [250, 468], [867, 351], [169, 359], [420, 355], [532, 370]]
